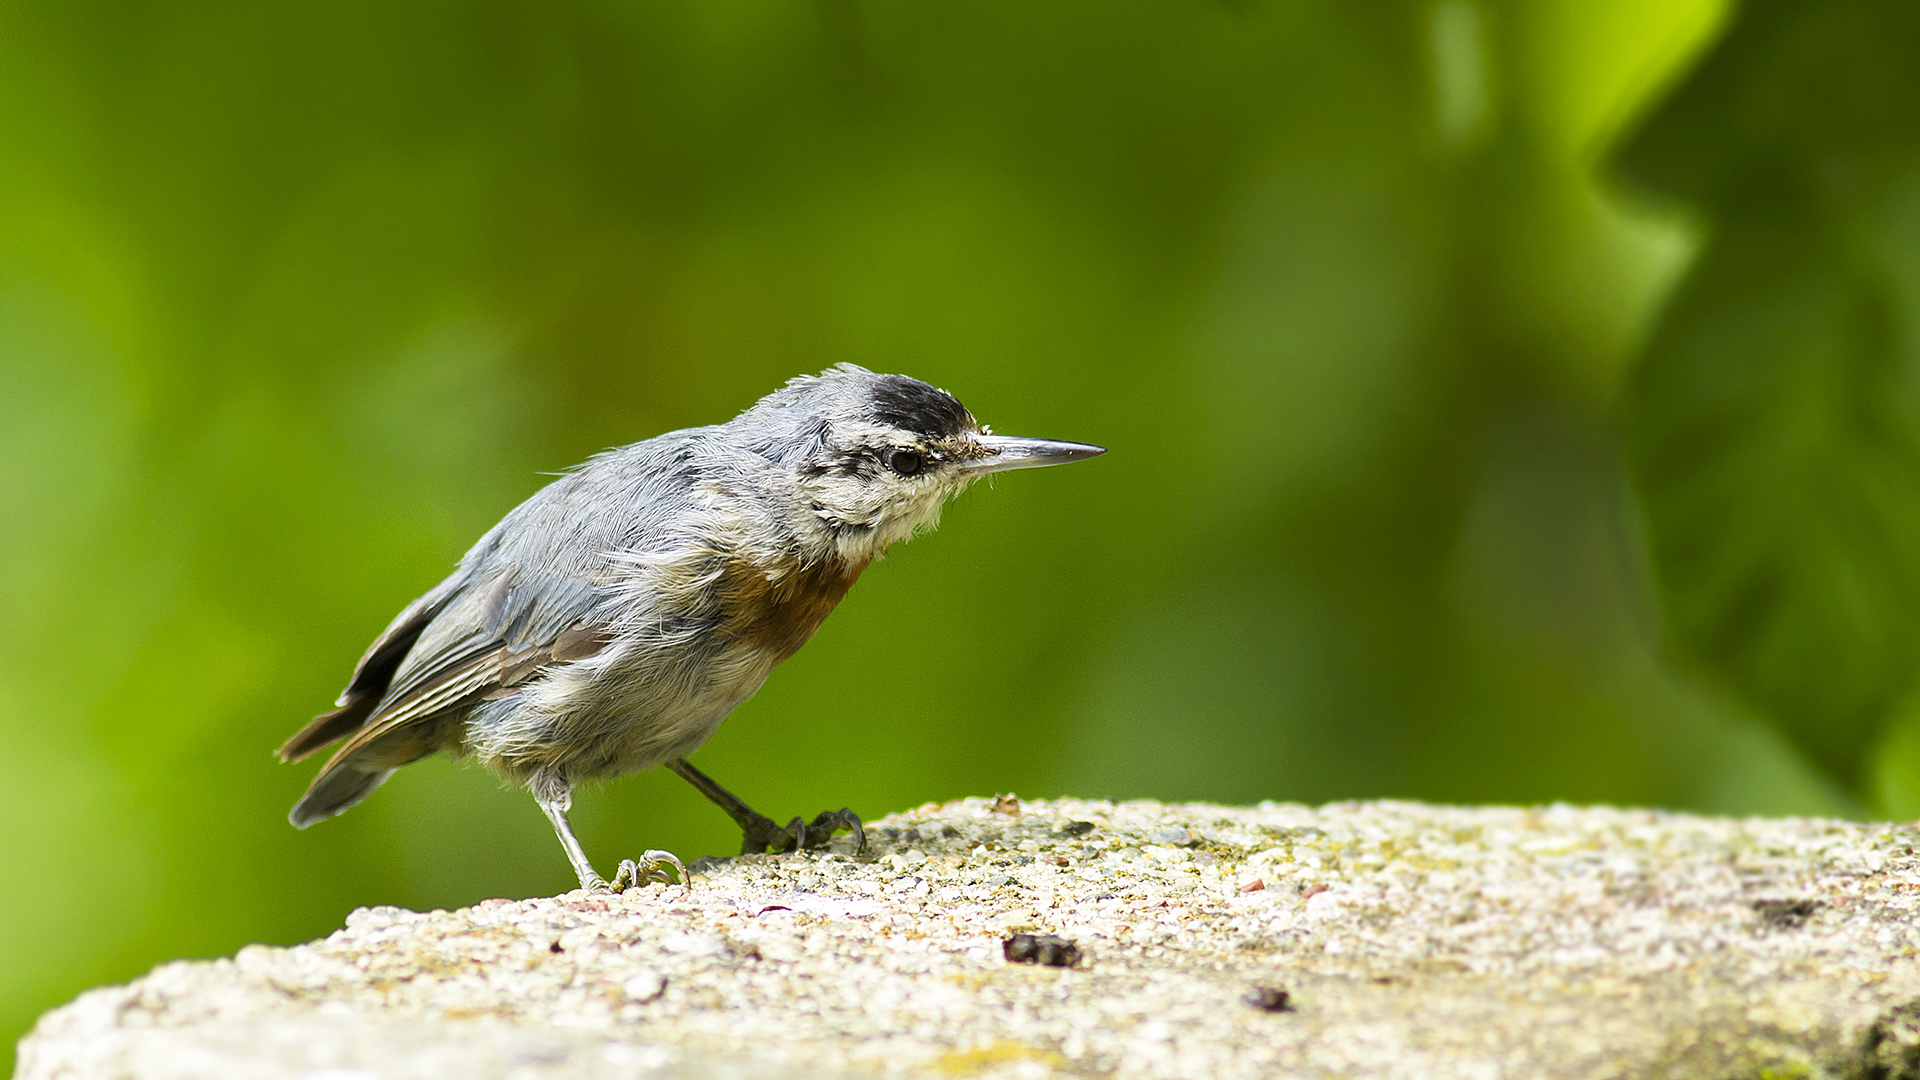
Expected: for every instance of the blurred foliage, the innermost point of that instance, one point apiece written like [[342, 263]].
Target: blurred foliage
[[1776, 418], [295, 301]]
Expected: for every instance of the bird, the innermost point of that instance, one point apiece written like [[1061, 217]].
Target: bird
[[611, 622]]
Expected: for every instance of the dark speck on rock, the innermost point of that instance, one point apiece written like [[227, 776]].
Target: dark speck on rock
[[1044, 949], [1270, 999], [1785, 914]]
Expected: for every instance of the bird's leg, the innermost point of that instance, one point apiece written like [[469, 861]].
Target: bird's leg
[[555, 800], [759, 833], [555, 797]]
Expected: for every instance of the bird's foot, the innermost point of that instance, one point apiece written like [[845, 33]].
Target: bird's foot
[[761, 834], [651, 867]]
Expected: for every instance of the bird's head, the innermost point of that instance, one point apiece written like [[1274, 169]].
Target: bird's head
[[874, 457]]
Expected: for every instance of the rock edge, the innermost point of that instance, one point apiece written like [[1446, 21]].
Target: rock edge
[[1354, 940]]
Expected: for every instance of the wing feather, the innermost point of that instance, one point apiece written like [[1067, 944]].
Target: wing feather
[[483, 643], [534, 592]]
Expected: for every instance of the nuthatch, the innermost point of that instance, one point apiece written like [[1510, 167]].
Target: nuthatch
[[612, 621]]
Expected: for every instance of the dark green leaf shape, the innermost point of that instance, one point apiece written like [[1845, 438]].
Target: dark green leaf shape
[[1772, 421]]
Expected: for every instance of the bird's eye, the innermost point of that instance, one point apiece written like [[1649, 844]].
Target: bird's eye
[[906, 462]]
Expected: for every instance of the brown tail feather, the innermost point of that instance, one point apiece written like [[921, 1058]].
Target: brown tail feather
[[330, 727]]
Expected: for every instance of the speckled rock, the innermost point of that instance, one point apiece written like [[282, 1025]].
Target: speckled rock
[[1355, 940]]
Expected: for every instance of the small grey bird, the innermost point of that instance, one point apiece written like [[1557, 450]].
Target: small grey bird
[[611, 622]]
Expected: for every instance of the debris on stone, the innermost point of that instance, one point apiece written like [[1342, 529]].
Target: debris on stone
[[1269, 999], [1786, 914], [1047, 950]]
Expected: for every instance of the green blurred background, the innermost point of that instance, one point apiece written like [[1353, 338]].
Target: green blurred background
[[1508, 402]]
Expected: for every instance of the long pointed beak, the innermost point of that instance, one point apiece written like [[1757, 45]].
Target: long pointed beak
[[1012, 453]]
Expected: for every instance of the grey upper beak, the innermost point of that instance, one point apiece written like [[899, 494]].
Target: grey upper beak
[[1012, 453]]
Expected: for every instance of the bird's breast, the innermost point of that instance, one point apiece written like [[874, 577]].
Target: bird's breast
[[777, 609]]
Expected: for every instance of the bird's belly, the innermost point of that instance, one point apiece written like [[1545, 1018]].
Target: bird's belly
[[591, 724]]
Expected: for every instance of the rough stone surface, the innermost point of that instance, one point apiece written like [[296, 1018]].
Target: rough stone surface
[[1356, 940]]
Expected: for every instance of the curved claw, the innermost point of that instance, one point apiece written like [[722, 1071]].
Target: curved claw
[[822, 829], [651, 867], [762, 835]]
